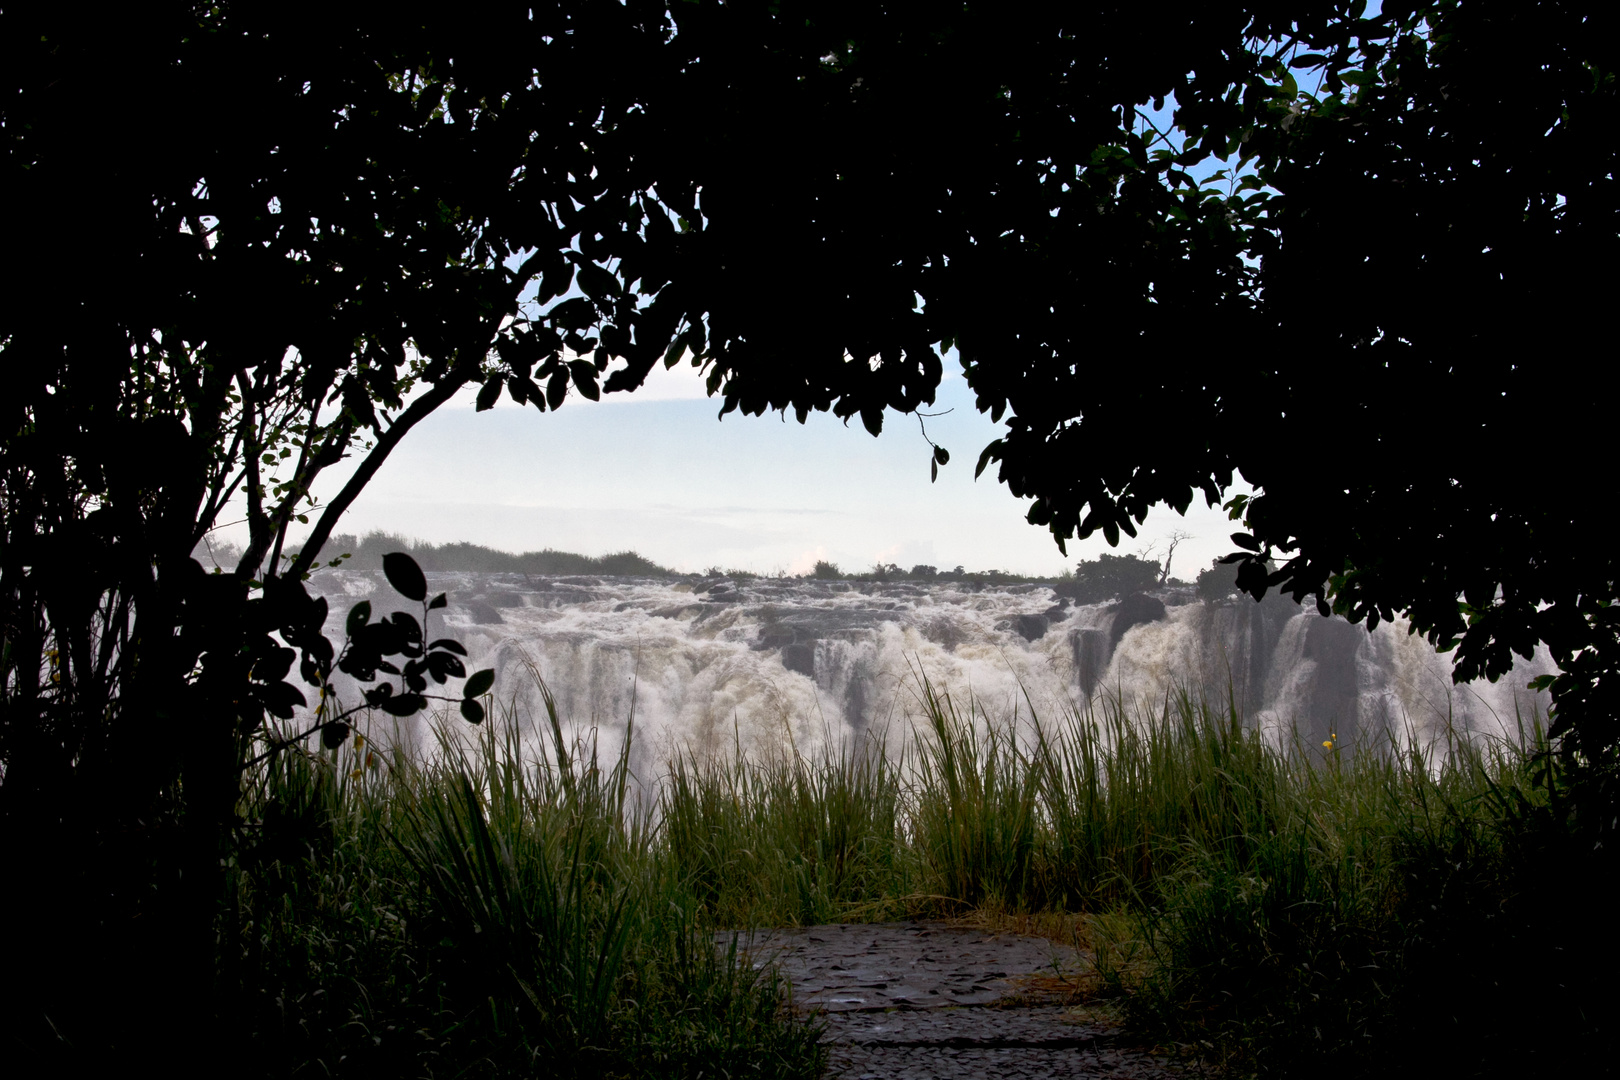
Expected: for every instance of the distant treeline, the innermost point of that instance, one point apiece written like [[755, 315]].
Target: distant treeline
[[890, 572], [366, 552]]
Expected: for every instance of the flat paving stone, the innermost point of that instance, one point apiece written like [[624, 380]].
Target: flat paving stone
[[947, 1063], [932, 1001], [909, 965]]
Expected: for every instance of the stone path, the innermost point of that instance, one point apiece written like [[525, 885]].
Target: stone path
[[932, 1001]]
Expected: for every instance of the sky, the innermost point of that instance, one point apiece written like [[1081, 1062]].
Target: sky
[[656, 472]]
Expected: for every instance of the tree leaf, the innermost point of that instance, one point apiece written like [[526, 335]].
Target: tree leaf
[[472, 711], [672, 355], [281, 699], [405, 576], [585, 374], [597, 283], [575, 314], [359, 615], [403, 704], [488, 394], [478, 684], [445, 666], [406, 627], [557, 389]]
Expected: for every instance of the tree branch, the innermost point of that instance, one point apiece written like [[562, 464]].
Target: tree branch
[[258, 524], [414, 413]]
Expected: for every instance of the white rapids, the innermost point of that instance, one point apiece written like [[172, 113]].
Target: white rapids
[[772, 664]]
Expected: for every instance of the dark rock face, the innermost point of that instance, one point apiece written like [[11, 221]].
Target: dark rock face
[[855, 701], [1332, 644], [1134, 611], [812, 624], [1031, 627], [800, 657], [796, 633], [776, 636], [1091, 652], [482, 612], [944, 633]]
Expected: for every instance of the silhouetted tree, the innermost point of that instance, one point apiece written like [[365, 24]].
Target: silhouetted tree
[[1110, 577], [1172, 542]]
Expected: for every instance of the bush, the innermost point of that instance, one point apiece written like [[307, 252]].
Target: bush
[[1109, 577], [1218, 583]]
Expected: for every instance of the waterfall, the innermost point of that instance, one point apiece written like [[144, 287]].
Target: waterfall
[[769, 664]]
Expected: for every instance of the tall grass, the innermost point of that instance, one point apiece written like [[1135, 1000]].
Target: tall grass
[[485, 911], [513, 903], [787, 840]]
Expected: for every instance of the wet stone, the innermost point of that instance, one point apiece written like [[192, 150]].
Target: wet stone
[[1031, 627], [931, 1000]]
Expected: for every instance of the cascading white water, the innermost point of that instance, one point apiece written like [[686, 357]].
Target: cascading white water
[[770, 664]]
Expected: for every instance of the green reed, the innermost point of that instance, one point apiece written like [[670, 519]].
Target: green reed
[[489, 910]]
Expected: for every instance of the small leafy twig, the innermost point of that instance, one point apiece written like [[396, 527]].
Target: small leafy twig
[[941, 455]]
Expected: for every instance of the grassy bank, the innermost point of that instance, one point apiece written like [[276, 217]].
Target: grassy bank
[[1276, 911]]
